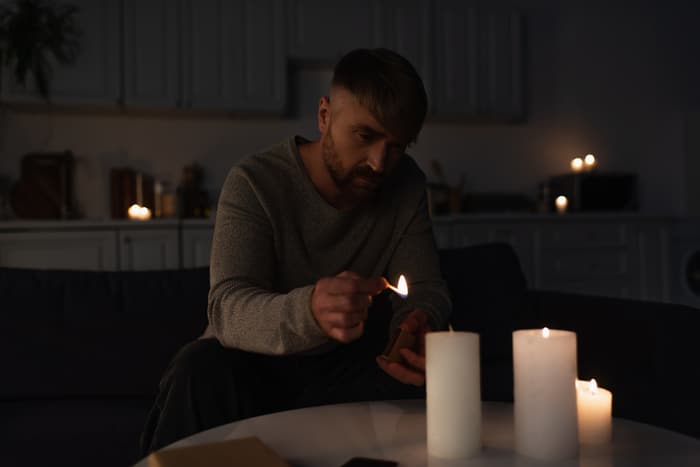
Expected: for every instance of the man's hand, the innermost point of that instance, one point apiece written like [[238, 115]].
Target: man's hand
[[340, 304], [412, 372]]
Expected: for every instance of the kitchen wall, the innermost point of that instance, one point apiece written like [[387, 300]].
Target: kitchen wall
[[617, 81]]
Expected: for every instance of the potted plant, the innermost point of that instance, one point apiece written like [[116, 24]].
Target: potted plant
[[35, 34]]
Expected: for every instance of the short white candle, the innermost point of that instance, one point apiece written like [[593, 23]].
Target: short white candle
[[562, 203], [576, 164], [453, 394], [544, 363], [594, 413]]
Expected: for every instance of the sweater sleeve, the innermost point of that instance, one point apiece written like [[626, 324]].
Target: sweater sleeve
[[416, 257], [244, 310]]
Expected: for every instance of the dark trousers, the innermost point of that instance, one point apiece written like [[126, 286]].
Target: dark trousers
[[208, 385]]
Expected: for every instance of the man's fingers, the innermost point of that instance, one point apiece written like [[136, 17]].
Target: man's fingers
[[413, 359], [346, 320], [349, 283], [347, 335], [401, 373], [345, 303], [416, 320]]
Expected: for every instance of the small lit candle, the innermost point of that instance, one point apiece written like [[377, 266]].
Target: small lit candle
[[562, 203], [577, 164], [594, 406], [544, 373], [139, 213], [589, 162]]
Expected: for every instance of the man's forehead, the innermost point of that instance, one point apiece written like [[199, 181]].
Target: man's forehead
[[361, 118]]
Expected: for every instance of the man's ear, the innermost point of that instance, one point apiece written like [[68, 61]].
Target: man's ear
[[324, 113]]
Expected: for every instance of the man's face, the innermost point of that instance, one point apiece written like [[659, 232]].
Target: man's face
[[357, 151]]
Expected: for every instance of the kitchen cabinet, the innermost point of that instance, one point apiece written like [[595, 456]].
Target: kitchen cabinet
[[95, 77], [479, 69], [92, 250], [152, 70], [624, 256], [404, 26], [322, 31], [196, 245], [600, 255], [455, 45], [144, 248], [234, 56]]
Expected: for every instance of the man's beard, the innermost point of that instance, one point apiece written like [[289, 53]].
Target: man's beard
[[368, 178]]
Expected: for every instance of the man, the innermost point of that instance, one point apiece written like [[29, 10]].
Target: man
[[306, 236]]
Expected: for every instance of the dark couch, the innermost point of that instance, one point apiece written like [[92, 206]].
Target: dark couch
[[82, 352]]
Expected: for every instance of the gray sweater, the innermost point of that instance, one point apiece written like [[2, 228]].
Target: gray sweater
[[275, 236]]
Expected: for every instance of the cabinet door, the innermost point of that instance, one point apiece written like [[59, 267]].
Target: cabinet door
[[323, 31], [151, 53], [404, 26], [455, 56], [231, 61], [196, 246], [500, 68], [84, 250], [148, 249], [94, 78], [478, 70]]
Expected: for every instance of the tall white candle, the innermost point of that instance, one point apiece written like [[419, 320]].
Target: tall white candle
[[594, 413], [544, 363], [453, 394]]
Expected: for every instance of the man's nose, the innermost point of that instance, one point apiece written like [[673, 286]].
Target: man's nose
[[377, 158]]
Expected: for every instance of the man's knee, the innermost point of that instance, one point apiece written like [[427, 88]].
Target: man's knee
[[200, 360]]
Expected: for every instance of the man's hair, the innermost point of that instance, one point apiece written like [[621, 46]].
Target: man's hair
[[387, 85]]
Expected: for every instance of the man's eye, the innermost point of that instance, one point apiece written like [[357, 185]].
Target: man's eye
[[365, 136]]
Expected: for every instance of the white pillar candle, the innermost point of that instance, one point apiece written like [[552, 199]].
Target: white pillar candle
[[544, 363], [594, 413], [453, 394]]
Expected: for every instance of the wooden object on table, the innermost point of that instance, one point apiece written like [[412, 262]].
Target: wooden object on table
[[241, 452]]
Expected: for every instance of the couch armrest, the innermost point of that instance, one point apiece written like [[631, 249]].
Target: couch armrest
[[643, 351]]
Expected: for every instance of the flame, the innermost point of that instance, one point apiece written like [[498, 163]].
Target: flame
[[576, 164], [593, 386], [545, 332], [402, 285]]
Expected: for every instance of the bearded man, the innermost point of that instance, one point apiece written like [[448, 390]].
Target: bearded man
[[308, 236]]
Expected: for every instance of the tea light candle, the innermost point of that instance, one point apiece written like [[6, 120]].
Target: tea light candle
[[544, 363], [589, 162], [139, 213], [577, 164], [561, 203], [594, 413], [453, 394]]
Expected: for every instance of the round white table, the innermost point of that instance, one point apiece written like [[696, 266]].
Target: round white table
[[327, 436]]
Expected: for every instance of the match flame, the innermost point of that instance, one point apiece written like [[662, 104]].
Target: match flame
[[545, 332], [402, 285]]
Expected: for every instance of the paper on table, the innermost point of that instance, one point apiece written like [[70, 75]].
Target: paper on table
[[232, 453]]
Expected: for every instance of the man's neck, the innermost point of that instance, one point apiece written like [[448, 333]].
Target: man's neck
[[312, 157]]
